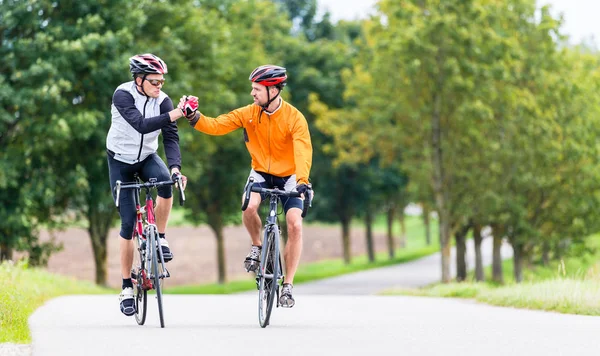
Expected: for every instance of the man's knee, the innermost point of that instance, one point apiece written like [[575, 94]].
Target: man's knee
[[250, 211], [165, 191], [126, 230], [294, 223], [128, 219], [252, 208]]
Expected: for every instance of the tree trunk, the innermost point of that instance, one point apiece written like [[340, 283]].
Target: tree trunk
[[346, 246], [369, 235], [479, 275], [427, 223], [445, 248], [402, 219], [6, 252], [518, 258], [216, 224], [439, 185], [99, 221], [390, 230], [497, 275], [461, 253], [221, 255], [546, 253]]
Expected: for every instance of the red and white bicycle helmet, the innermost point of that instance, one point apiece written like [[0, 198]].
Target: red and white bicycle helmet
[[147, 64], [269, 75]]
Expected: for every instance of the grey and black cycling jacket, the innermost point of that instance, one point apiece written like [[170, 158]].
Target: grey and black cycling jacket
[[137, 121]]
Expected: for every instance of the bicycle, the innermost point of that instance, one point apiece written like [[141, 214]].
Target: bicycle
[[149, 267], [269, 272]]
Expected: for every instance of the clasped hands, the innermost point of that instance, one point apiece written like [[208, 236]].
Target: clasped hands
[[189, 107]]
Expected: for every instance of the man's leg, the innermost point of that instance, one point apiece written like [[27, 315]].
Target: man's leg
[[252, 220], [253, 224], [163, 210], [293, 247], [126, 252], [124, 172], [128, 217]]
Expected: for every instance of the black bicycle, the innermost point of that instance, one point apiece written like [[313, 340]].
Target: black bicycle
[[149, 269], [269, 272]]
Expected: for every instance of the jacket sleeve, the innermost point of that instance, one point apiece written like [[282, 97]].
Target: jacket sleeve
[[302, 149], [124, 102], [170, 137], [223, 124]]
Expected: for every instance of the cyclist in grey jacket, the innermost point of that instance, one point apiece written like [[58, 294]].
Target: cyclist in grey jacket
[[140, 112]]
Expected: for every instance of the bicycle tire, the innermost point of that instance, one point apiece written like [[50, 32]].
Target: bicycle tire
[[140, 294], [154, 250], [267, 285]]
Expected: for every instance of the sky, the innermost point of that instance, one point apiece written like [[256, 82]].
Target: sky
[[580, 16]]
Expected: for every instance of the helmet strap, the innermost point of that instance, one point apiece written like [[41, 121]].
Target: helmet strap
[[269, 99], [142, 85]]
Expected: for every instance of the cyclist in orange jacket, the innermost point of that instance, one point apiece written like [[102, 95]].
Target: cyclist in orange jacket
[[278, 140]]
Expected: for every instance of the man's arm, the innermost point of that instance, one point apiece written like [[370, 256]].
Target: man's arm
[[125, 104], [302, 149], [222, 124], [170, 137]]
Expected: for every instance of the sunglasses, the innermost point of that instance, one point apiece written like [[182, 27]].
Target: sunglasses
[[156, 82]]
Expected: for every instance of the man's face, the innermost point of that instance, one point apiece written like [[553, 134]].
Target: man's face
[[259, 93], [152, 84]]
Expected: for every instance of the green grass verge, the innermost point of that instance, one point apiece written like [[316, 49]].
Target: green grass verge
[[23, 289], [570, 286]]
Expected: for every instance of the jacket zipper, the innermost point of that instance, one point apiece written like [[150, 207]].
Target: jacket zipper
[[269, 143], [142, 139]]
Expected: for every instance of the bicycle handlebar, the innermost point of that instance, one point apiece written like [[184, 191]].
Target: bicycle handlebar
[[149, 185], [250, 187]]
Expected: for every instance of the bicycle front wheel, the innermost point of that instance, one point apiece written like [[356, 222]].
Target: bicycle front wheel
[[267, 286], [137, 276], [156, 272]]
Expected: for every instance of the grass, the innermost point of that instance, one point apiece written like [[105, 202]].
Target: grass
[[23, 289], [571, 286]]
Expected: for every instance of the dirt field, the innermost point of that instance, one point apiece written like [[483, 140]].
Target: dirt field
[[194, 249]]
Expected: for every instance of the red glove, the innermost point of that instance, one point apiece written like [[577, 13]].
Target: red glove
[[190, 106]]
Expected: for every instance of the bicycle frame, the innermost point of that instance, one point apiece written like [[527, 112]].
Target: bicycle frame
[[151, 269], [271, 226], [268, 281], [145, 221]]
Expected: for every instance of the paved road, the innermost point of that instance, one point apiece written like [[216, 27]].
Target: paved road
[[339, 316], [418, 273], [318, 325]]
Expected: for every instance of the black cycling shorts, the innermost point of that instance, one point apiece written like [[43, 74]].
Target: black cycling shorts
[[152, 167], [269, 181]]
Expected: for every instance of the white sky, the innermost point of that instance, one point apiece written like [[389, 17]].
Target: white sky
[[580, 16]]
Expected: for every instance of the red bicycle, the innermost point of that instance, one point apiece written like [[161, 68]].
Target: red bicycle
[[149, 269]]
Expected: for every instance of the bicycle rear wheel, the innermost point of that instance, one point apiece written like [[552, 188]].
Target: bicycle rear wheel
[[137, 276], [267, 287], [157, 272]]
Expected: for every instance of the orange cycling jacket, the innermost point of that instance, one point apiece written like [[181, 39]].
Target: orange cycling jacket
[[279, 143]]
